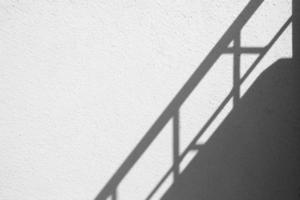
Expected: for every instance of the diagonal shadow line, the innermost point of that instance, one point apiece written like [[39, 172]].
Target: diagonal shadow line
[[178, 100], [193, 145]]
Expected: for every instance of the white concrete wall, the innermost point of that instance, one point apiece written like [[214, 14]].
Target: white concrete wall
[[82, 81]]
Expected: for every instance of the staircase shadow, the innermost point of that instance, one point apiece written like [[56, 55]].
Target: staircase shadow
[[254, 153]]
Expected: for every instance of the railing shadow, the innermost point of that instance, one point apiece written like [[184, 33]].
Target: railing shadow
[[234, 94], [172, 111]]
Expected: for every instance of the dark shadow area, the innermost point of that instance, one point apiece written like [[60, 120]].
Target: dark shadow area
[[254, 153]]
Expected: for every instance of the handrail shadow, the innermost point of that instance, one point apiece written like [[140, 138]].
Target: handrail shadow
[[171, 112]]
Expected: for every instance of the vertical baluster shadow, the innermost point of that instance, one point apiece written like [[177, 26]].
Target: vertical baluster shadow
[[176, 138]]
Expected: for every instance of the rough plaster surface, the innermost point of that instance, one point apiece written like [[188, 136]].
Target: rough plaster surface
[[82, 81]]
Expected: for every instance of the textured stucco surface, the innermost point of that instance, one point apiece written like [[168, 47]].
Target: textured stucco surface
[[82, 81]]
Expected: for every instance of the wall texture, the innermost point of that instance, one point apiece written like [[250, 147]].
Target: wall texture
[[82, 81]]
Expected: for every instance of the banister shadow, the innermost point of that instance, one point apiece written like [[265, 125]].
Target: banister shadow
[[172, 110]]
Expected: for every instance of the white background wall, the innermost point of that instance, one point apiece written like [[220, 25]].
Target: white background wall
[[82, 81]]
